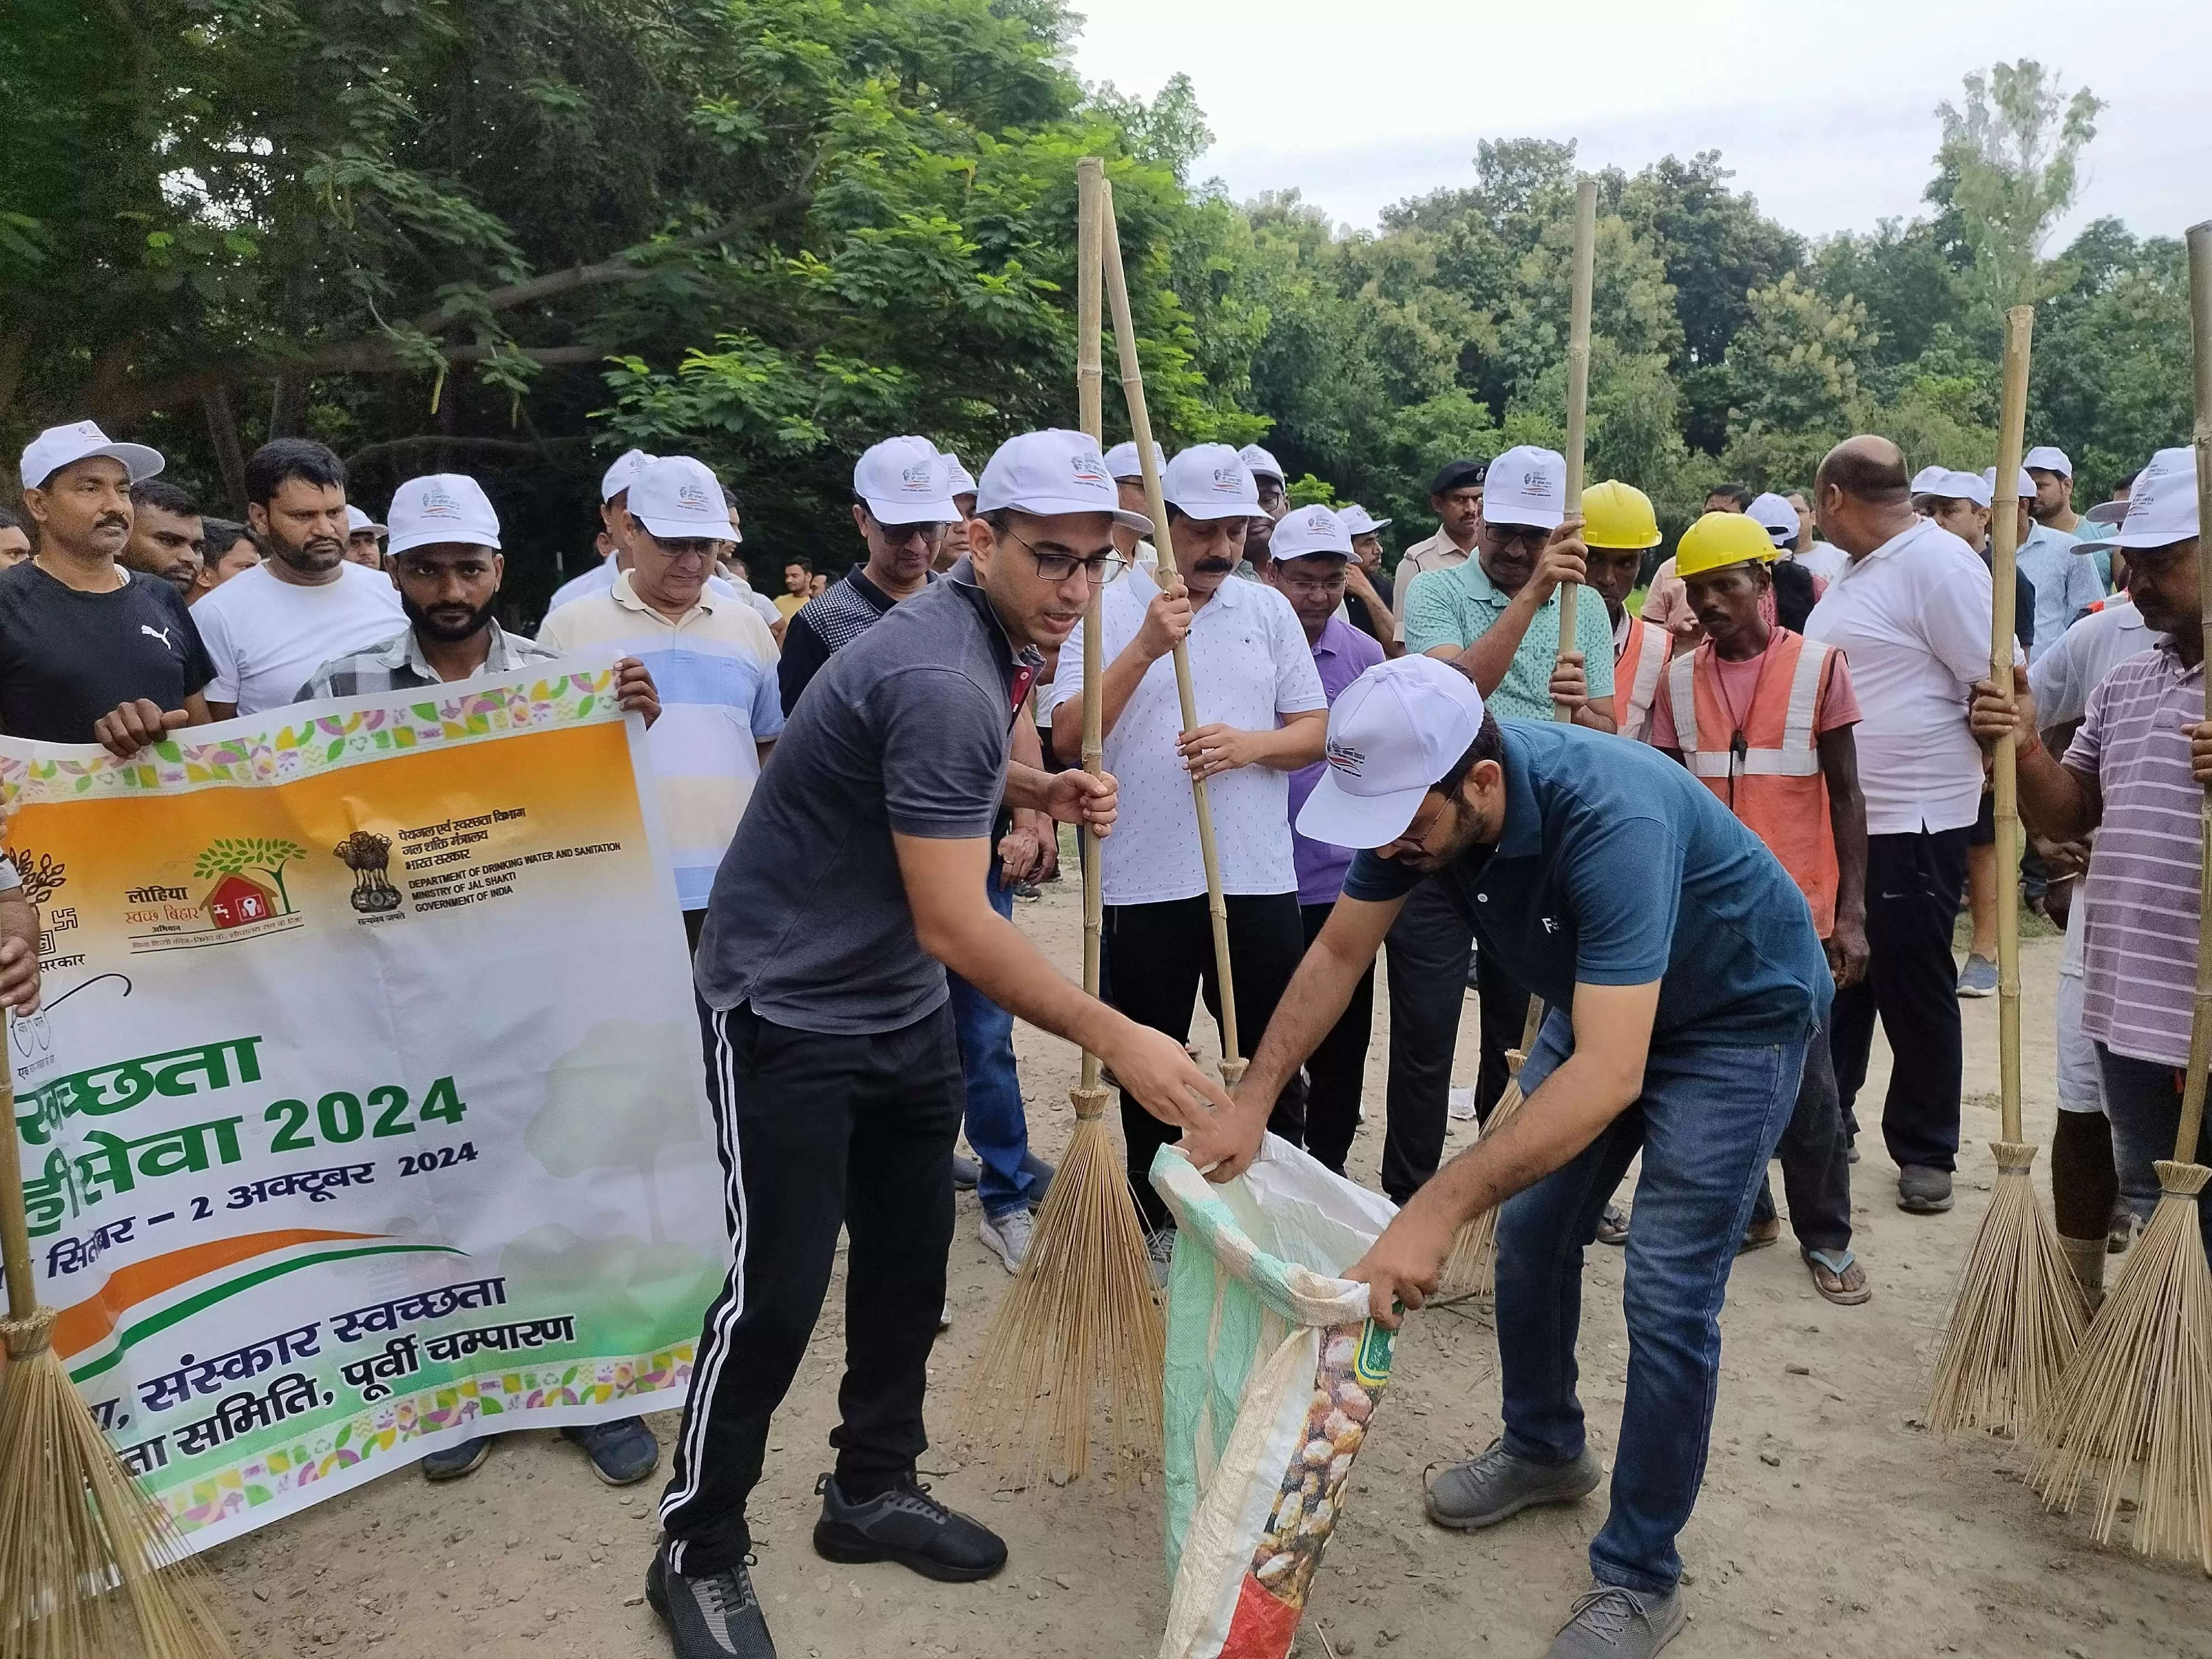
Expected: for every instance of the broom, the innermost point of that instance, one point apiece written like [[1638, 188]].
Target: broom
[[1080, 1330], [2140, 1389], [83, 1551], [1471, 1268], [2019, 1313], [1140, 428]]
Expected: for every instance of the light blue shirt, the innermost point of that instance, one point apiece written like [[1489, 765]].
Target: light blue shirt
[[2065, 584]]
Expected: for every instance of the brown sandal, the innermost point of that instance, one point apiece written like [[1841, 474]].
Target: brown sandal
[[1844, 1283]]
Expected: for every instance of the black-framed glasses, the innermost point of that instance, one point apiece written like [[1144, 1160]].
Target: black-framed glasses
[[1059, 567], [930, 534]]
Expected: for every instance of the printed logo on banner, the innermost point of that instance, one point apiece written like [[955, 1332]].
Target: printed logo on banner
[[368, 855], [245, 898]]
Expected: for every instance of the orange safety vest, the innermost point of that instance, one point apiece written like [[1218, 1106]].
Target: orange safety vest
[[1636, 676], [1774, 783]]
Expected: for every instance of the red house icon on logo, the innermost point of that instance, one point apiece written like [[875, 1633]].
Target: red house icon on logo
[[237, 900]]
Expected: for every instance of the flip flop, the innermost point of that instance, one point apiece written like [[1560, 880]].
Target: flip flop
[[1833, 1277]]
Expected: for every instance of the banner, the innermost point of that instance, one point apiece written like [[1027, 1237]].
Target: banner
[[364, 1112]]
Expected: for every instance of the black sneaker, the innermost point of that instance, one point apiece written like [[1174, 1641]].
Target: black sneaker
[[713, 1616], [908, 1526]]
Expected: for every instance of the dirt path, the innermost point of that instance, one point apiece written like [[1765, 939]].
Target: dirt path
[[1829, 1524]]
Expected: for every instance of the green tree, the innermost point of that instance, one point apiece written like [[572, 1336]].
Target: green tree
[[2010, 160], [265, 853]]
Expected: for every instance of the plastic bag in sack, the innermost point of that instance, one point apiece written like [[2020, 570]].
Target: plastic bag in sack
[[1273, 1370]]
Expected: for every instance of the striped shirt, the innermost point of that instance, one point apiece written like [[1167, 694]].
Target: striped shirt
[[716, 671], [398, 664], [2139, 942]]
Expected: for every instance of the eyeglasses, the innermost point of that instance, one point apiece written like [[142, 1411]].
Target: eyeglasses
[[1331, 583], [1059, 567], [899, 535], [1525, 536]]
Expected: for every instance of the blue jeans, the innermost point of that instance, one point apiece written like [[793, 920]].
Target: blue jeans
[[997, 1127], [1707, 1122], [2143, 1099]]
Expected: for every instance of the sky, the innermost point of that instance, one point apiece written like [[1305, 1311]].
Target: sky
[[1826, 111]]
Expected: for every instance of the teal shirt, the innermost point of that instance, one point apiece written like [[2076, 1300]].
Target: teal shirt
[[1458, 606]]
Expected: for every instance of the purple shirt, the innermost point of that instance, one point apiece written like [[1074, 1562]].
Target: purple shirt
[[2139, 946], [1341, 656]]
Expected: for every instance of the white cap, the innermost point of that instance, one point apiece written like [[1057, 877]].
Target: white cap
[[1989, 478], [1960, 486], [1211, 481], [958, 481], [679, 499], [624, 473], [1526, 485], [1260, 464], [1305, 531], [1925, 481], [59, 447], [905, 481], [1778, 518], [1357, 521], [2161, 507], [1122, 462], [443, 506], [1053, 471], [2048, 458], [357, 520], [1392, 733]]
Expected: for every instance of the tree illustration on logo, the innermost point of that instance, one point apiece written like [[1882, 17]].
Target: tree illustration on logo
[[42, 874], [235, 857]]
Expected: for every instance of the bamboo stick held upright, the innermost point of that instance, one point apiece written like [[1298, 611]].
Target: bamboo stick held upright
[[2004, 562], [1170, 580], [1090, 413], [1578, 351]]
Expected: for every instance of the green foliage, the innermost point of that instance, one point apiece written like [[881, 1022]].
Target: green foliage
[[2010, 161]]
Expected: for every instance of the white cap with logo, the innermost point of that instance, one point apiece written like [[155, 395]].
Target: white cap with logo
[[1392, 733], [680, 500], [1774, 515], [1925, 481], [1526, 485], [905, 481], [1211, 481], [2161, 505], [1122, 461], [2048, 458], [623, 472], [1960, 486], [1260, 464], [356, 521], [958, 481], [1357, 521], [441, 507], [1309, 531], [59, 447], [1050, 472], [1990, 477]]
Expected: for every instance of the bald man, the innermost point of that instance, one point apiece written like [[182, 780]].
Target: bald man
[[1911, 613]]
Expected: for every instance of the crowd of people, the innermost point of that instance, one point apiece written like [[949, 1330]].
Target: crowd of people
[[1697, 846]]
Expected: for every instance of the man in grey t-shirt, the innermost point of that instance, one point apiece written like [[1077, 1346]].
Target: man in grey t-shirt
[[855, 880]]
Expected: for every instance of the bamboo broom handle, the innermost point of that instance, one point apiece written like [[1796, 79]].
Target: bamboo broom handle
[[2004, 549], [1140, 428], [14, 1231], [2200, 1018], [1091, 397], [1578, 350]]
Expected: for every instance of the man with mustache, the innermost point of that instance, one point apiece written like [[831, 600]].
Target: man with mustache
[[91, 652], [1263, 709], [1684, 981], [166, 537], [268, 630]]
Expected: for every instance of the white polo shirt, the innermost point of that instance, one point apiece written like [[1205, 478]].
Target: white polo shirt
[[1913, 618], [1249, 662]]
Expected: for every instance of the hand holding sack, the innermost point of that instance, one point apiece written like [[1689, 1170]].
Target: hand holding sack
[[1273, 1372]]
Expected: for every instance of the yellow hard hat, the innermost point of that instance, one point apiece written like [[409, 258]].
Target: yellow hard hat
[[1718, 539], [1615, 514]]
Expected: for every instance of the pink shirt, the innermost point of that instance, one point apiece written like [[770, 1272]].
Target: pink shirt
[[1738, 684]]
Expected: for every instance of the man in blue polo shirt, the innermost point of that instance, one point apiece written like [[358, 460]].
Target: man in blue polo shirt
[[1684, 980]]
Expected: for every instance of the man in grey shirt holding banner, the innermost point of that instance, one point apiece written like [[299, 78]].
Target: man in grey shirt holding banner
[[854, 881]]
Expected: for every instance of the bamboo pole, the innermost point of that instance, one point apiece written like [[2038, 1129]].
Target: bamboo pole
[[2019, 1314], [1091, 412], [2138, 1396], [1170, 579], [1578, 351]]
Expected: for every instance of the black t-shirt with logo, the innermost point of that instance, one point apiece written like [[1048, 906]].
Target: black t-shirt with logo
[[67, 657]]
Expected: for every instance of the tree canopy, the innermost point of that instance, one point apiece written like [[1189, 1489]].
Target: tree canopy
[[514, 239]]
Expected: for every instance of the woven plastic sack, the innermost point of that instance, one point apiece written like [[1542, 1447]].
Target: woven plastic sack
[[1273, 1372]]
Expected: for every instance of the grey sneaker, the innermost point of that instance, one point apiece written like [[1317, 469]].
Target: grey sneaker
[[1488, 1489], [715, 1615], [1161, 1248], [1924, 1191], [1610, 1622], [1009, 1235], [1978, 978]]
